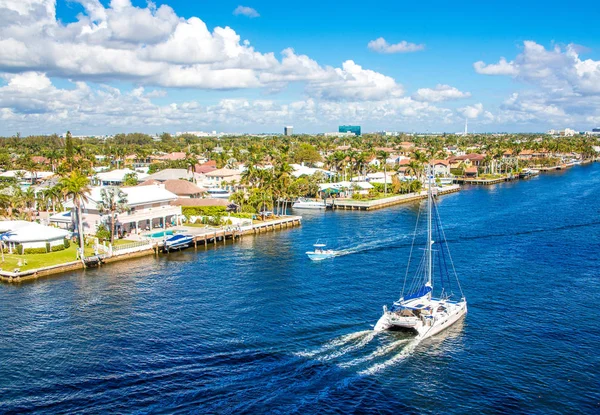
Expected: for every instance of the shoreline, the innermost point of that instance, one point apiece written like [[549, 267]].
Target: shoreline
[[222, 235], [213, 237]]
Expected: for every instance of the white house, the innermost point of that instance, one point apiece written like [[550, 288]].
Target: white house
[[117, 177], [301, 170], [30, 234], [149, 208], [217, 177], [441, 167]]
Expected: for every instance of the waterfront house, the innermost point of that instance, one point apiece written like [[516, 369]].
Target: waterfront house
[[181, 188], [31, 235], [149, 207], [175, 156], [471, 172], [171, 174], [466, 161], [117, 177], [216, 178], [440, 167]]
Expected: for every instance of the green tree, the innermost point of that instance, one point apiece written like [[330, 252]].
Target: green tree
[[130, 179], [76, 186], [113, 201]]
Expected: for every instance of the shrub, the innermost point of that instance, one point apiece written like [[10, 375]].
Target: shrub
[[57, 248], [203, 210], [34, 250], [19, 249], [103, 233], [48, 248], [67, 243]]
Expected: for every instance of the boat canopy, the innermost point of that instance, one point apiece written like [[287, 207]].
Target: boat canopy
[[319, 245], [424, 290]]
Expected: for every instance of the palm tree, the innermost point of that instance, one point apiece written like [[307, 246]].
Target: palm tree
[[114, 201], [382, 157], [77, 187]]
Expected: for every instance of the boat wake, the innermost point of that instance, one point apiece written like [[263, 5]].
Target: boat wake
[[368, 246], [364, 351]]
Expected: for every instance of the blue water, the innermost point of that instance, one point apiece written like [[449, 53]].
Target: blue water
[[256, 327], [161, 234]]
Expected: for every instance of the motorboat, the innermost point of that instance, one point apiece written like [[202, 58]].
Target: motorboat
[[418, 311], [526, 173], [445, 180], [320, 253], [178, 241], [217, 192], [303, 203]]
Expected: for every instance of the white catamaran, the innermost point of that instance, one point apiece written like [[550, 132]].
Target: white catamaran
[[418, 310]]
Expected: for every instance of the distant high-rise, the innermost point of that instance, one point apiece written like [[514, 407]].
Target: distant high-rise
[[350, 129], [289, 130]]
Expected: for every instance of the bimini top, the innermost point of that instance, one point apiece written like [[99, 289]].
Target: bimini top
[[319, 245]]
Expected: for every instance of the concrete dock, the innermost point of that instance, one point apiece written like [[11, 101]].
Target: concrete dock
[[351, 204]]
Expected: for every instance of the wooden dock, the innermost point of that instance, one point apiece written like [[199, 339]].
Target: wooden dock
[[215, 236], [351, 204], [484, 182]]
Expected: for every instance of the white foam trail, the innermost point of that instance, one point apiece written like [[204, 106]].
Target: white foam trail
[[379, 352], [406, 352], [368, 245], [337, 342], [345, 350]]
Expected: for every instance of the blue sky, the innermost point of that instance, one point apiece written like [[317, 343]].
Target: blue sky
[[82, 67]]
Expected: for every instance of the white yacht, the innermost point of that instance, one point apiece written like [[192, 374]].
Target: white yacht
[[217, 192], [417, 310], [302, 203]]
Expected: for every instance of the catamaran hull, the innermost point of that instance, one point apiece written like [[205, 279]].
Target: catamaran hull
[[421, 329]]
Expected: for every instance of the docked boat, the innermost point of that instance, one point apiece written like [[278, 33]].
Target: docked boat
[[178, 241], [526, 173], [302, 203], [418, 310], [320, 253], [446, 180], [217, 192]]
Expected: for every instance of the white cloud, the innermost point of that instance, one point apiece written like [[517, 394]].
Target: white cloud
[[30, 103], [245, 11], [440, 93], [472, 111], [558, 70], [565, 88], [500, 68], [153, 46], [380, 45]]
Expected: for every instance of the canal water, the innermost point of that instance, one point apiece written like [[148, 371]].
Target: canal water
[[255, 327]]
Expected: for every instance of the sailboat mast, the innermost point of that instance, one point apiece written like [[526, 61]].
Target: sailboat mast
[[429, 241]]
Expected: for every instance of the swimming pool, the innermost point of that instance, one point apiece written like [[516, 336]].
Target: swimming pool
[[161, 234]]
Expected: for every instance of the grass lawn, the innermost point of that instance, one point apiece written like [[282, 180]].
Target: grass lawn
[[121, 242], [11, 261]]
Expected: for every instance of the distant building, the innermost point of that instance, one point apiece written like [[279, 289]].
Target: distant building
[[596, 130], [355, 129], [289, 130]]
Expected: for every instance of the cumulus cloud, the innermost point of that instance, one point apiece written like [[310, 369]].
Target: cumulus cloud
[[500, 68], [246, 11], [440, 93], [380, 45], [472, 111], [558, 69], [30, 102], [153, 46], [565, 87]]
